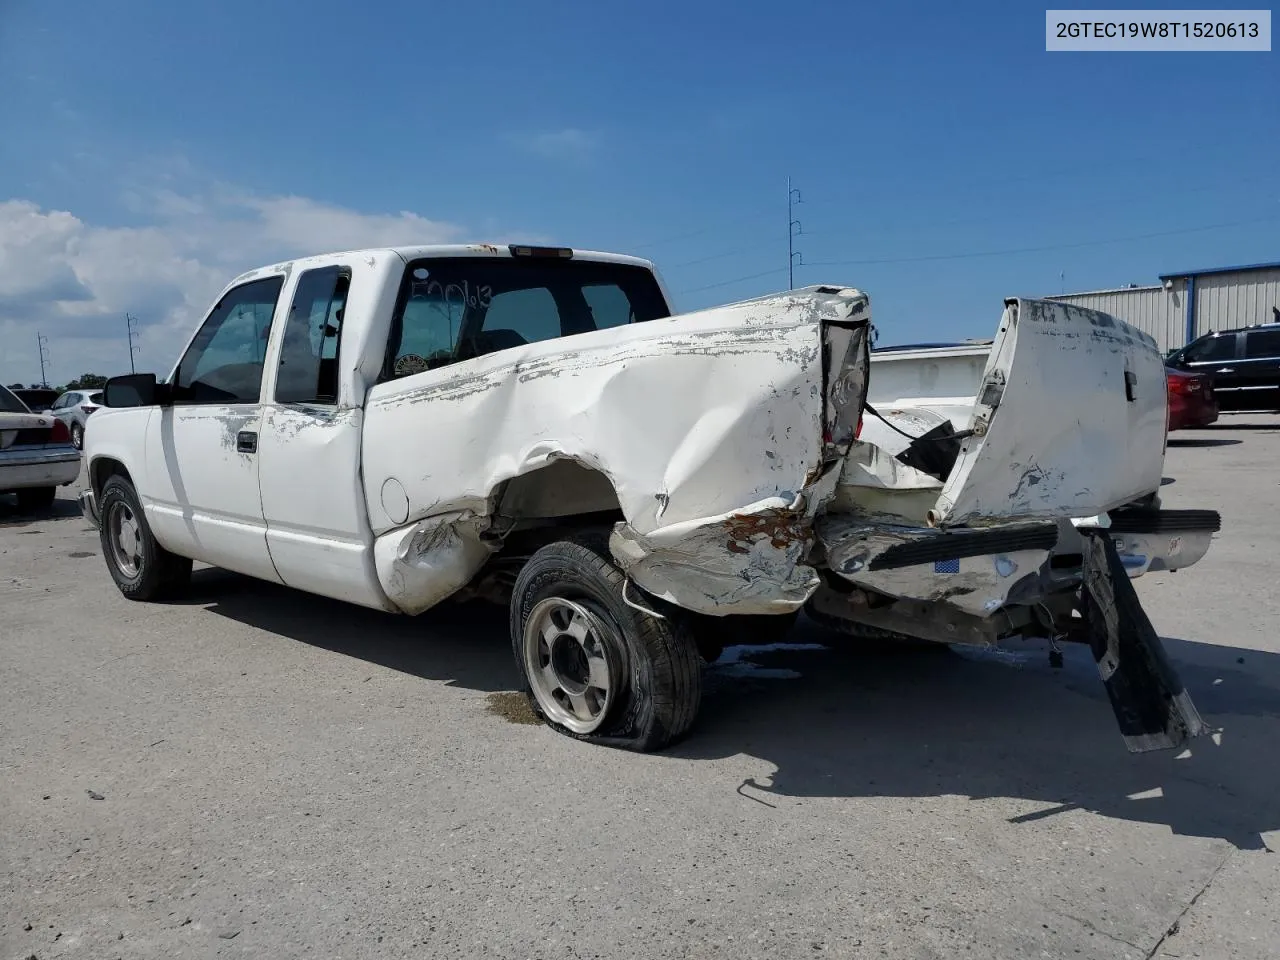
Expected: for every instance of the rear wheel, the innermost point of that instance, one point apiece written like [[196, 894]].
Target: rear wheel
[[77, 436], [141, 568], [31, 499], [594, 667]]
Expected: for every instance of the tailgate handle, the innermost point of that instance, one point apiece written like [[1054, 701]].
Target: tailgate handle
[[247, 441], [1130, 381]]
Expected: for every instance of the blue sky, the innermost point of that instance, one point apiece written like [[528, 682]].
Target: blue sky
[[214, 136]]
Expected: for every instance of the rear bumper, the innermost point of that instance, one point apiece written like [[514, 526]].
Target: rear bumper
[[976, 571], [1154, 540], [22, 469], [1186, 412], [980, 571]]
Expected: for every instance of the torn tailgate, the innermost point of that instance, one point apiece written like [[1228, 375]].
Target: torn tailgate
[[1069, 419]]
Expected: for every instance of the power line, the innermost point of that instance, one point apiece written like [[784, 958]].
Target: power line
[[898, 226], [689, 235], [725, 283], [987, 253], [1053, 246], [720, 256]]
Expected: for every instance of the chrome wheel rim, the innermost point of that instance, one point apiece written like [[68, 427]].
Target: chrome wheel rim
[[567, 660], [124, 534], [77, 436]]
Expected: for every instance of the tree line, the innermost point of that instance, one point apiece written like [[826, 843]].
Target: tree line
[[86, 381]]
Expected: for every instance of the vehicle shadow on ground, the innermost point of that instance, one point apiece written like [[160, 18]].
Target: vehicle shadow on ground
[[1224, 424], [907, 723], [1202, 442], [852, 720], [465, 644], [11, 516]]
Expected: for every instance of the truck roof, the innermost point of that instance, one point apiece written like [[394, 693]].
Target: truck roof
[[418, 252]]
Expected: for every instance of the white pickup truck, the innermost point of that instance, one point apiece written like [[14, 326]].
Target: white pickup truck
[[396, 427]]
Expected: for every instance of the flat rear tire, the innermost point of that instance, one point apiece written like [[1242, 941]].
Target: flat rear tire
[[593, 666]]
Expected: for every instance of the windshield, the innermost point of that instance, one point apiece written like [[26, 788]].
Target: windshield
[[11, 404]]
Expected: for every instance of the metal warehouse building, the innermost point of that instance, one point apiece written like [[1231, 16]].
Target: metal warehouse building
[[1185, 305]]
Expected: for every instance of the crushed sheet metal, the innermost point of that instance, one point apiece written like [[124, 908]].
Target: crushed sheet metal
[[733, 401], [420, 565], [1060, 439], [974, 585], [751, 561]]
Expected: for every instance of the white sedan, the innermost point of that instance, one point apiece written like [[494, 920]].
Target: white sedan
[[36, 454]]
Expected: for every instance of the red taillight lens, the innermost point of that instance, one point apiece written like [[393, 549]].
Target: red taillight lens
[[60, 433]]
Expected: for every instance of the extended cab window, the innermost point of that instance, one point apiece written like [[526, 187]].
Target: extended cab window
[[308, 371], [224, 362], [456, 308], [1212, 349]]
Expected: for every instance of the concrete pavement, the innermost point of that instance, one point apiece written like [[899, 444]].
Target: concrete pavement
[[285, 776]]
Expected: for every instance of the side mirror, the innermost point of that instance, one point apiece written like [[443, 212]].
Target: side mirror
[[135, 390]]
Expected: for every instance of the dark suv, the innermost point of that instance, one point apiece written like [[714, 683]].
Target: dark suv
[[1244, 365]]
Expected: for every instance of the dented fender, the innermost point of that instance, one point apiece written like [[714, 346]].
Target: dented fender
[[718, 436]]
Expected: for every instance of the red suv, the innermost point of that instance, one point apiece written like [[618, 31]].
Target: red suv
[[1192, 402]]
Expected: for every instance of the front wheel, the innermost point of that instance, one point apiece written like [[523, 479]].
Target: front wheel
[[141, 568], [594, 667]]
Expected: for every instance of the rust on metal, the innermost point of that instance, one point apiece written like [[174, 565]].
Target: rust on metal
[[780, 527]]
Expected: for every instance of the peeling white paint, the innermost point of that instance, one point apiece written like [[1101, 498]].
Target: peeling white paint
[[677, 414]]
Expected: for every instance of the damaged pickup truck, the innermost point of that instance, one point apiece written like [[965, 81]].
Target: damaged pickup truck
[[397, 427]]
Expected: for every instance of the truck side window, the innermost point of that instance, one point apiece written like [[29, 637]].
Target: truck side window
[[308, 371], [225, 360], [1262, 344], [1212, 349]]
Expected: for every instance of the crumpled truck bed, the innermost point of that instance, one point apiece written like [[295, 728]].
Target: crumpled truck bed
[[717, 434]]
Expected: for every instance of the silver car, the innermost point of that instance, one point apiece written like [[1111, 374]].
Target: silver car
[[36, 456], [73, 409]]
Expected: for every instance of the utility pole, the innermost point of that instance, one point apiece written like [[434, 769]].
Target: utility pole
[[41, 343], [129, 323], [793, 230]]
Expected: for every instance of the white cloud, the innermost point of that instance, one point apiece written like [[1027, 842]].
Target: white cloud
[[567, 144], [73, 281]]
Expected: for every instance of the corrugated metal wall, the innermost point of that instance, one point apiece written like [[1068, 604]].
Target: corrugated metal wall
[[1153, 310], [1228, 300]]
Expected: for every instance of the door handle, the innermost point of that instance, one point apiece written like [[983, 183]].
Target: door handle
[[1226, 370], [247, 441]]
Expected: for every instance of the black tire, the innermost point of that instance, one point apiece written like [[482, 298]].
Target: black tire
[[77, 436], [713, 634], [36, 499], [655, 661], [158, 572]]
